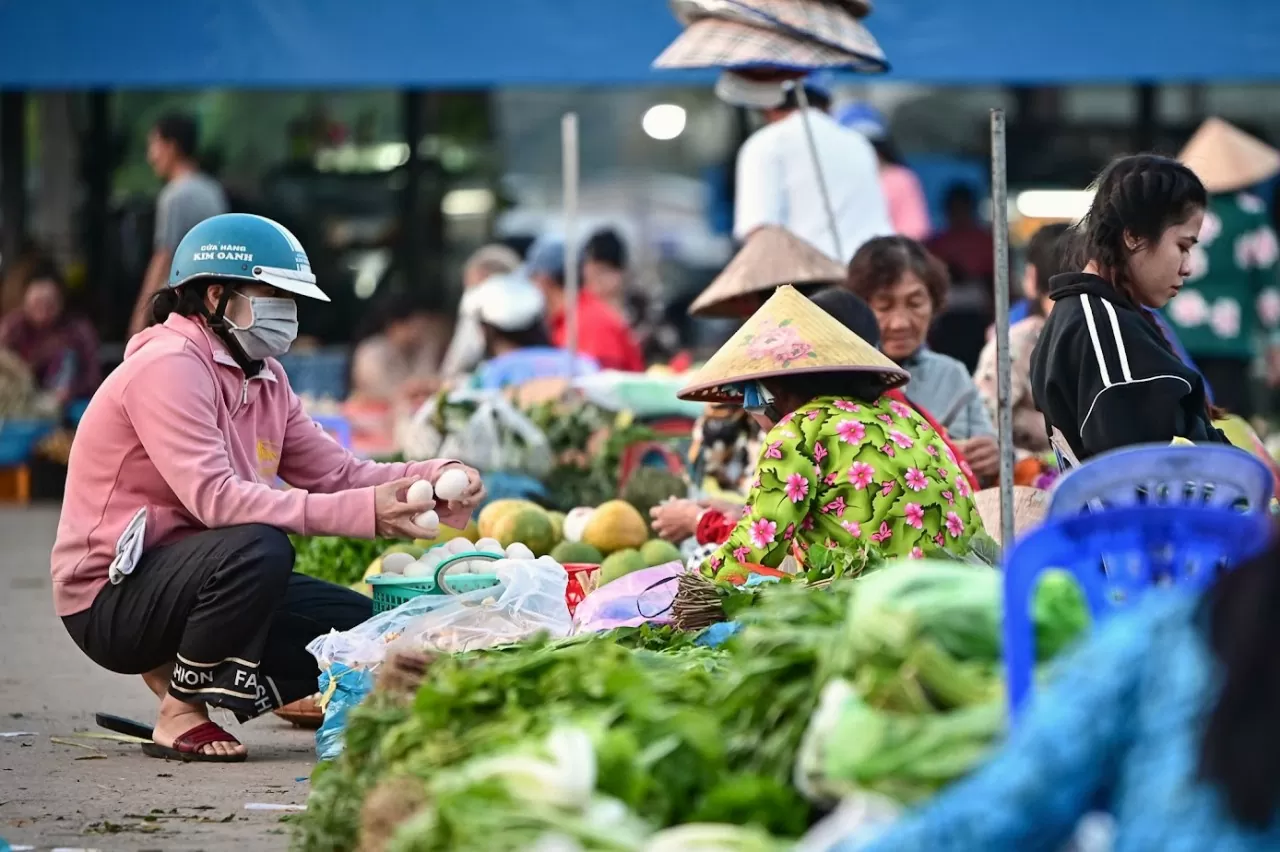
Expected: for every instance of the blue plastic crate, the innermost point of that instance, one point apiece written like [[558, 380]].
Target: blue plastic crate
[[320, 373], [18, 438]]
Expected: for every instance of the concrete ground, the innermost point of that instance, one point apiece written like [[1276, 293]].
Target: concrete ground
[[101, 794]]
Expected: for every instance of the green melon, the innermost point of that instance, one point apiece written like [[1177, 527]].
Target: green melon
[[576, 553], [659, 552], [530, 526], [620, 564]]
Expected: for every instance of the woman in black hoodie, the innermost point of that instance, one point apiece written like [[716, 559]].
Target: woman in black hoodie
[[1103, 373]]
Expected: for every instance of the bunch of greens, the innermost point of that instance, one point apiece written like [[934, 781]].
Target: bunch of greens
[[658, 751], [686, 734], [336, 559]]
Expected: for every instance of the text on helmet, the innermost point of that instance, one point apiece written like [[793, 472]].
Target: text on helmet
[[223, 252]]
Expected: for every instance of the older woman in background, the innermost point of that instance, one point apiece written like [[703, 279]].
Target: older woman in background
[[907, 288]]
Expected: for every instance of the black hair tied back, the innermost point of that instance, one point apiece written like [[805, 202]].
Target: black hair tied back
[[1143, 196]]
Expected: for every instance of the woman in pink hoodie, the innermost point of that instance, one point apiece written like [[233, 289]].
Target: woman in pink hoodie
[[172, 558]]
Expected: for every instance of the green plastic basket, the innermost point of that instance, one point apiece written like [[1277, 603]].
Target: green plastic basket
[[391, 590]]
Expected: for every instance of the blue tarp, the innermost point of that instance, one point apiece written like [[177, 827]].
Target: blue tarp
[[71, 44]]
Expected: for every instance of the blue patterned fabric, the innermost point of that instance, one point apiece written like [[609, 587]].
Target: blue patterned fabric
[[1119, 725]]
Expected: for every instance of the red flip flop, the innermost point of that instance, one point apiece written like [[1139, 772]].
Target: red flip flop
[[187, 747]]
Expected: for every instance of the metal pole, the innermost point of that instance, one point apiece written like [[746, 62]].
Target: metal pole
[[803, 100], [1004, 380], [569, 166]]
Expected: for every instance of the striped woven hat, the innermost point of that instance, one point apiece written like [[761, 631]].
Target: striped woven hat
[[771, 256]]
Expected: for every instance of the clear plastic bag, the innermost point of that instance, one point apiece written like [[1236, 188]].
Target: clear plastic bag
[[495, 436], [528, 599], [641, 597]]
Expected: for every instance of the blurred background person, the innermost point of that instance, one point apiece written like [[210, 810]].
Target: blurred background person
[[17, 274], [61, 349], [606, 272], [1047, 254], [966, 248], [908, 208], [467, 346], [1230, 302], [188, 198], [511, 312], [907, 288], [402, 359], [777, 183], [603, 333]]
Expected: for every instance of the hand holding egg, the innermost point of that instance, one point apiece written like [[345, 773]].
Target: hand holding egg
[[461, 485]]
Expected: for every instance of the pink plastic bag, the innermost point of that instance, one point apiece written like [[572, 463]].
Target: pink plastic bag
[[641, 597]]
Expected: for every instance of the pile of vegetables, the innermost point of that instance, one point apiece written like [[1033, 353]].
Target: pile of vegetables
[[336, 559], [888, 682]]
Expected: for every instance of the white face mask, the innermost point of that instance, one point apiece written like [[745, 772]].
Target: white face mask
[[272, 328]]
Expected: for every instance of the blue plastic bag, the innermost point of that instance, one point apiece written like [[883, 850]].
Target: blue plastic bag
[[343, 688], [717, 634]]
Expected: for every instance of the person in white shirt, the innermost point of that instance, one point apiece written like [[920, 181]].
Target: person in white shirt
[[466, 349], [777, 183]]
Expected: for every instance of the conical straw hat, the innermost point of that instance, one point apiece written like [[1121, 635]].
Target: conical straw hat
[[1226, 159], [789, 334], [772, 256]]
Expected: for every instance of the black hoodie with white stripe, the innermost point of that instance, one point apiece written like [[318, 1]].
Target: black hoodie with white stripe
[[1105, 377]]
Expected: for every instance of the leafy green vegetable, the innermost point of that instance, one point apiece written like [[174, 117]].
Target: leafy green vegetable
[[682, 733], [338, 560]]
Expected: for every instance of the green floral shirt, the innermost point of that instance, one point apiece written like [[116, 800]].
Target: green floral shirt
[[843, 473], [1231, 295]]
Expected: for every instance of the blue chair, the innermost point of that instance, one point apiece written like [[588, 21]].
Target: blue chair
[[1143, 546], [1206, 475], [337, 426]]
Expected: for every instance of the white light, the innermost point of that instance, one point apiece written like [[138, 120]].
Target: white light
[[467, 202], [664, 121], [1065, 204]]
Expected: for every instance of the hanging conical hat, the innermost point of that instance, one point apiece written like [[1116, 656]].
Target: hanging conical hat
[[789, 334], [1029, 508], [1226, 159], [772, 256]]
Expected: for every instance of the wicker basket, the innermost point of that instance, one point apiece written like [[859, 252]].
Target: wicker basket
[[304, 713]]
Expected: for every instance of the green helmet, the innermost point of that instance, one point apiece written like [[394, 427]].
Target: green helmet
[[248, 248]]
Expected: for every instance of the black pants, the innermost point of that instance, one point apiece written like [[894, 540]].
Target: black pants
[[1231, 380], [224, 606]]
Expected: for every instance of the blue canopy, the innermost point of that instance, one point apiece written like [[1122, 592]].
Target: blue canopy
[[72, 44]]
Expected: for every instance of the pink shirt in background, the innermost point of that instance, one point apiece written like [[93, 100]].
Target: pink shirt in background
[[177, 429], [908, 209]]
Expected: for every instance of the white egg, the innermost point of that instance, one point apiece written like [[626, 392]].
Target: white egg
[[428, 522], [459, 545], [518, 550], [489, 545], [420, 492], [433, 557], [451, 484], [396, 563], [419, 569]]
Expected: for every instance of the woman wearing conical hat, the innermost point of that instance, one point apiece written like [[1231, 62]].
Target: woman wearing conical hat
[[1231, 296], [843, 465]]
